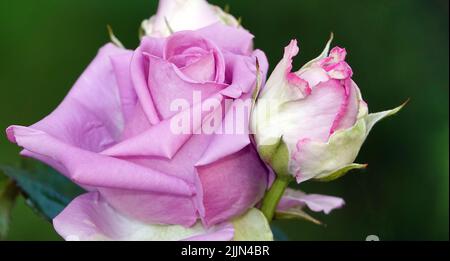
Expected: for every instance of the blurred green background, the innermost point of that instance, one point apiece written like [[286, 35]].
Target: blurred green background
[[398, 49]]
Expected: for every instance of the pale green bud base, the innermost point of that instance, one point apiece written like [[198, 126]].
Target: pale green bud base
[[273, 196]]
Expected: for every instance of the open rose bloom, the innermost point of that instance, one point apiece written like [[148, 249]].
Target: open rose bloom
[[112, 135], [116, 132]]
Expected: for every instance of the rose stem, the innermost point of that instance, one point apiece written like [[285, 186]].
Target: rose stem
[[273, 196]]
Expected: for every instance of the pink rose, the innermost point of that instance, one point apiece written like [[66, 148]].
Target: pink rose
[[112, 136]]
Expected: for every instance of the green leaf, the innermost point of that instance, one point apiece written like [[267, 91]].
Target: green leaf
[[278, 233], [8, 194], [46, 191]]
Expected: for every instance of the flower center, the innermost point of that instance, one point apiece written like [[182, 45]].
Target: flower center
[[195, 57]]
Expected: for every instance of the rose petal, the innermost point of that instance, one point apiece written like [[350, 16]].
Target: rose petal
[[181, 15], [165, 208], [234, 39], [313, 117], [89, 217], [283, 85], [232, 185], [168, 142], [224, 143], [203, 70], [188, 43], [241, 73], [218, 233], [139, 68], [92, 169], [128, 97], [295, 198], [84, 120], [314, 76], [348, 113], [167, 83]]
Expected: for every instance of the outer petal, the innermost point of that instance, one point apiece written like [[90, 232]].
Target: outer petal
[[308, 119], [348, 113], [128, 97], [139, 75], [84, 120], [312, 118], [89, 217], [295, 198], [283, 85], [281, 88], [92, 169]]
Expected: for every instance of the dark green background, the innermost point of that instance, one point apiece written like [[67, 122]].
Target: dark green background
[[398, 49]]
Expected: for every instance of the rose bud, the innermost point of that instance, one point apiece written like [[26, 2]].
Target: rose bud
[[311, 124], [178, 15]]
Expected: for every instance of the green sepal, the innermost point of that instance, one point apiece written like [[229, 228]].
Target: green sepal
[[113, 38], [322, 55], [277, 156], [296, 213], [341, 172]]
